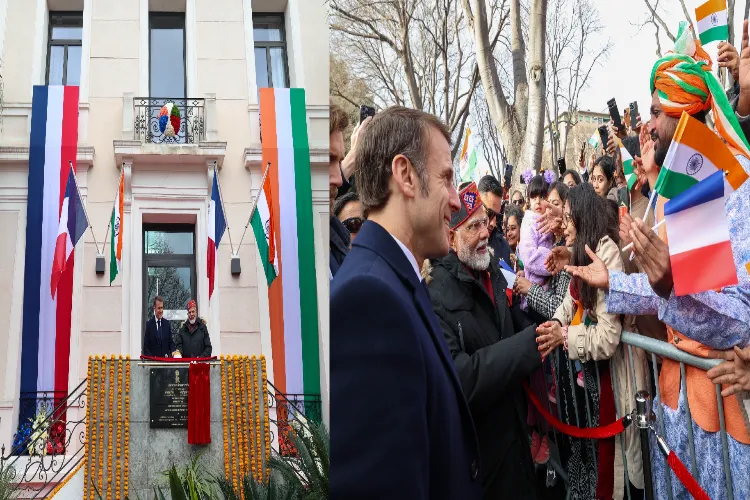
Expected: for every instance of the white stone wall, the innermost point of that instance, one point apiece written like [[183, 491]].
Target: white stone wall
[[115, 62]]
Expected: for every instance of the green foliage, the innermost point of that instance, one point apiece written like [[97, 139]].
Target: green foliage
[[8, 489], [195, 484]]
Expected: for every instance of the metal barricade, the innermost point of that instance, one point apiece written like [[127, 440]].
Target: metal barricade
[[583, 414]]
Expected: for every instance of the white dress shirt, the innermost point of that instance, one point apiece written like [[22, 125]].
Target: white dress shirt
[[409, 256]]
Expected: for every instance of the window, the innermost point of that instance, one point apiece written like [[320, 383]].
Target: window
[[167, 55], [270, 51], [64, 48]]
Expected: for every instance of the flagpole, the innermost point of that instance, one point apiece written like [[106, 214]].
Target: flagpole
[[255, 202], [226, 215], [83, 205]]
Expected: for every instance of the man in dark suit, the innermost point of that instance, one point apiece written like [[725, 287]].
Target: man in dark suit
[[400, 424], [158, 339]]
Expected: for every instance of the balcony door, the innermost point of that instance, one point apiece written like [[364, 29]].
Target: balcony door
[[168, 270]]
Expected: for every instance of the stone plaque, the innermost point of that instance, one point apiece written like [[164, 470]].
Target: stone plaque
[[168, 398]]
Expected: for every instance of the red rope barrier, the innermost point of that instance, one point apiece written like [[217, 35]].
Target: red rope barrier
[[685, 477], [607, 431], [176, 360]]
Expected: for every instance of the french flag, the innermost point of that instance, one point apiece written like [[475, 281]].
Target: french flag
[[216, 226], [700, 251], [73, 223], [45, 335], [510, 277]]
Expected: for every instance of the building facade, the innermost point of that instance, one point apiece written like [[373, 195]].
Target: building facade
[[129, 58], [572, 135]]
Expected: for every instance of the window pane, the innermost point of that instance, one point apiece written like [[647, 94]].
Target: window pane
[[173, 284], [265, 32], [67, 33], [278, 69], [56, 61], [168, 63], [161, 242], [261, 68], [74, 65]]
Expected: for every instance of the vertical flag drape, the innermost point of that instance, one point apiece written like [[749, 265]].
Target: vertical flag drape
[[287, 201], [216, 226], [45, 337]]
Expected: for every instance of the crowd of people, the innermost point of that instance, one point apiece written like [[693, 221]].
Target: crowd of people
[[451, 304]]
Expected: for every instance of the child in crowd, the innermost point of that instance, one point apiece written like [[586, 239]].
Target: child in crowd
[[534, 247]]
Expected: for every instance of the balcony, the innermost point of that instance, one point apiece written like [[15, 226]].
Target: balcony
[[144, 141], [147, 127]]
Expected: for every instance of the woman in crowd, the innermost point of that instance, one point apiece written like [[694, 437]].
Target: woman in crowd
[[513, 220], [603, 178], [586, 332], [571, 178]]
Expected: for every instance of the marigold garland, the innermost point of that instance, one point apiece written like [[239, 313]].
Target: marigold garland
[[224, 414], [246, 416], [86, 471], [267, 429], [68, 477], [102, 382], [235, 411], [127, 427], [118, 421], [261, 463], [110, 433], [251, 409]]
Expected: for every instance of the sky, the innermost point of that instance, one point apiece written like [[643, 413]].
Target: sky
[[626, 73]]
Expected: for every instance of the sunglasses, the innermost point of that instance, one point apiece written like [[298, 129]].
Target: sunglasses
[[353, 224], [518, 202]]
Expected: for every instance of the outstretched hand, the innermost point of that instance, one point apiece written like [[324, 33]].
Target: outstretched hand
[[551, 220], [653, 255], [558, 258], [549, 336], [347, 166], [595, 274]]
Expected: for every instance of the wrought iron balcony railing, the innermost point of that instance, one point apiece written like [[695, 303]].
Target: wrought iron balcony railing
[[147, 127], [292, 410]]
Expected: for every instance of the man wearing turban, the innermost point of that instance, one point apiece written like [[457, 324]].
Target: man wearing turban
[[682, 81], [192, 339]]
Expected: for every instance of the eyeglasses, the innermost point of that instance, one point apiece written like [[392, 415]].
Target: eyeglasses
[[567, 219], [491, 214], [477, 225], [353, 224], [518, 201]]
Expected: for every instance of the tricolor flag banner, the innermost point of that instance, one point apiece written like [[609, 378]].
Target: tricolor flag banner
[[712, 21], [698, 235], [217, 224], [695, 154], [265, 238], [510, 277], [72, 225], [115, 236], [468, 162], [292, 296], [627, 165], [45, 337], [594, 139]]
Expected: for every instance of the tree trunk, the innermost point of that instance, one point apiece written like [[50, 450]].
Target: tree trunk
[[534, 133], [730, 16]]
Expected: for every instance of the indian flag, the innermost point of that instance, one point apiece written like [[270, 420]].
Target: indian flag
[[286, 202], [115, 255], [712, 21], [594, 139], [468, 163], [694, 154], [263, 230], [698, 232], [627, 165]]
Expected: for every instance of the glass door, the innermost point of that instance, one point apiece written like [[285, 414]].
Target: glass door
[[168, 270]]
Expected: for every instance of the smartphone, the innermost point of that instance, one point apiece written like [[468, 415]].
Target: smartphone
[[633, 114], [365, 111], [623, 210], [561, 166], [614, 113], [603, 133]]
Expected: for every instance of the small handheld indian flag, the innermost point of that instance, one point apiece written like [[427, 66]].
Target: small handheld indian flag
[[698, 233], [695, 154], [594, 139], [627, 165], [712, 21]]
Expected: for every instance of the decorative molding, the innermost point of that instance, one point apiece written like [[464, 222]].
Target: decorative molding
[[254, 156], [20, 154], [184, 154]]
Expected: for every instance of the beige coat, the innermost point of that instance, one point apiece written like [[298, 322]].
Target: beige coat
[[601, 341]]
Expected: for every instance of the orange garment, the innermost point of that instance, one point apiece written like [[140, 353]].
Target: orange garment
[[701, 392]]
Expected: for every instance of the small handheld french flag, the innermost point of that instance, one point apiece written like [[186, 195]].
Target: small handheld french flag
[[510, 277]]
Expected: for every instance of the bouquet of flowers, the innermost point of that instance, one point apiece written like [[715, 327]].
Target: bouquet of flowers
[[37, 444]]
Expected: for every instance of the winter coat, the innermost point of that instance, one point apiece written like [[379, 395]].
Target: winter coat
[[600, 340], [494, 349], [533, 249], [196, 344], [339, 239]]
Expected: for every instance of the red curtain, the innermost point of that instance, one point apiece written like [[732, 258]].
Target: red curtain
[[199, 404]]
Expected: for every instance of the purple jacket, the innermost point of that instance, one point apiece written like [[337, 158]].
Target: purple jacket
[[533, 249]]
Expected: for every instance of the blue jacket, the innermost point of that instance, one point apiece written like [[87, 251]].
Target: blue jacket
[[400, 424], [160, 343]]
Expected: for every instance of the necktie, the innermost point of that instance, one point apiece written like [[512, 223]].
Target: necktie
[[158, 327]]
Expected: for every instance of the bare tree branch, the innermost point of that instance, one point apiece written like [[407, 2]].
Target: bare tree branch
[[689, 19], [658, 19]]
